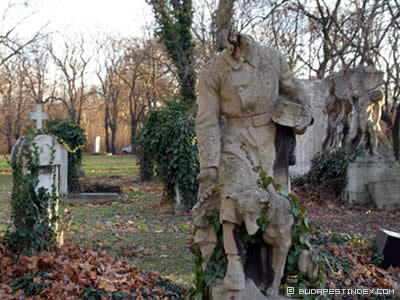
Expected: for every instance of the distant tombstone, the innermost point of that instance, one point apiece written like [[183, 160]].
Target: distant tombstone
[[97, 140], [179, 206], [388, 245]]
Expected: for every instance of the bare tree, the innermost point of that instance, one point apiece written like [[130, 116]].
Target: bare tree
[[144, 72], [10, 42], [72, 65], [13, 101], [111, 88]]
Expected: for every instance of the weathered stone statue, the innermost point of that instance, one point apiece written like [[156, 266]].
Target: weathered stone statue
[[354, 111], [250, 105]]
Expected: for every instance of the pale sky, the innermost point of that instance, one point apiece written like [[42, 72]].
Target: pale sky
[[123, 17]]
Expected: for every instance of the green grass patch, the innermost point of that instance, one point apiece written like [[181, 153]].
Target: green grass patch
[[5, 183], [135, 229], [103, 165], [4, 163]]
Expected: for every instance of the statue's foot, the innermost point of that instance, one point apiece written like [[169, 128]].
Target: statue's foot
[[234, 278], [272, 292]]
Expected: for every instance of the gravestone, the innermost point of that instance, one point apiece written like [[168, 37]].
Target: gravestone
[[52, 160], [97, 140], [53, 157], [371, 179], [38, 115], [388, 245], [84, 198], [179, 206]]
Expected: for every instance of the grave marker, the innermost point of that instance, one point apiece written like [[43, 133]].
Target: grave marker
[[388, 245], [38, 115]]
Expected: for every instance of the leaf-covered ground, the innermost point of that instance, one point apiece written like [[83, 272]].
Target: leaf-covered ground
[[345, 236], [139, 233], [133, 246]]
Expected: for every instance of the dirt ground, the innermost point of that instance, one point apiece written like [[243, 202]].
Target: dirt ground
[[329, 213]]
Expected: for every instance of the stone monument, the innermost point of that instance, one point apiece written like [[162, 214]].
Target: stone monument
[[52, 159], [347, 109], [250, 108], [354, 118], [96, 149]]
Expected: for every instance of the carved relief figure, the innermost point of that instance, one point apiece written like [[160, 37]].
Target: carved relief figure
[[354, 112], [243, 93]]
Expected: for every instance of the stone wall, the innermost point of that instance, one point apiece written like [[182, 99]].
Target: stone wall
[[310, 142]]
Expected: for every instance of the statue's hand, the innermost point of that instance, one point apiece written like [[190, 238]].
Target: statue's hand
[[207, 179]]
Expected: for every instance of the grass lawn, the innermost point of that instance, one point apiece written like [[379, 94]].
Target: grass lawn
[[101, 165], [5, 189], [4, 166], [142, 228]]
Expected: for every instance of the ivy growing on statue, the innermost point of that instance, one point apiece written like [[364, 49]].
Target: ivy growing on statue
[[301, 233]]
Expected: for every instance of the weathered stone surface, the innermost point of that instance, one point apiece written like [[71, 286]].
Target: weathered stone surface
[[388, 245], [250, 292], [83, 198], [385, 194], [368, 170], [38, 115], [246, 93], [53, 163], [310, 143], [346, 108], [307, 266]]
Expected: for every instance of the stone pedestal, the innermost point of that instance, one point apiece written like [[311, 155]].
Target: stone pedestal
[[373, 180], [385, 194], [250, 292]]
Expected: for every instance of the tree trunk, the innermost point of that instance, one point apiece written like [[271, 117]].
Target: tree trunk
[[133, 136], [395, 133], [222, 21], [9, 143], [113, 135], [107, 137]]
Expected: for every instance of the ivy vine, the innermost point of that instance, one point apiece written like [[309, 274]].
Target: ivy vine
[[301, 234], [34, 211], [168, 139], [330, 168], [72, 136]]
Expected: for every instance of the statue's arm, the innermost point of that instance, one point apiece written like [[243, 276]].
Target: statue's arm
[[208, 121]]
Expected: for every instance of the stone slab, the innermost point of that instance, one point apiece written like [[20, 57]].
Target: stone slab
[[365, 171], [84, 198], [388, 245], [385, 194], [250, 292]]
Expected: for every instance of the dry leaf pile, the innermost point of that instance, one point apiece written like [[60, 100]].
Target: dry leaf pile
[[70, 272]]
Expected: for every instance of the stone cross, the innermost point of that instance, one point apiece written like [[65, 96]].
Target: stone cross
[[38, 115]]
